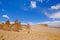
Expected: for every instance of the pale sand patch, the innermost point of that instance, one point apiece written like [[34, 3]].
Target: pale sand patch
[[36, 33]]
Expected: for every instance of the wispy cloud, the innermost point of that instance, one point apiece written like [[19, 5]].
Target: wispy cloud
[[23, 18], [2, 9], [55, 15], [5, 16], [33, 4], [54, 12], [2, 22], [31, 23], [54, 23], [51, 23], [55, 7], [11, 22], [0, 2], [45, 22], [43, 1]]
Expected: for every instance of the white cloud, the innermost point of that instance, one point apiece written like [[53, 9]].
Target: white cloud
[[5, 16], [24, 23], [55, 23], [33, 4], [46, 14], [56, 6], [11, 22], [55, 15], [2, 22], [5, 21], [45, 22], [31, 23], [51, 23]]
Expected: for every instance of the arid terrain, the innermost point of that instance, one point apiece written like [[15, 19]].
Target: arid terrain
[[37, 32]]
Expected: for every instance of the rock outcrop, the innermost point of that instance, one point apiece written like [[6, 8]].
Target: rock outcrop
[[45, 25], [16, 26]]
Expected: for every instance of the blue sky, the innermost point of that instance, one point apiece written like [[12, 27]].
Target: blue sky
[[30, 11]]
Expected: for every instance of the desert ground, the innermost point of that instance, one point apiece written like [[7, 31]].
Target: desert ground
[[37, 32]]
